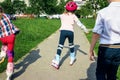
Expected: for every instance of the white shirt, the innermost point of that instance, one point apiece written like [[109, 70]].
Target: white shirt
[[108, 24], [67, 21]]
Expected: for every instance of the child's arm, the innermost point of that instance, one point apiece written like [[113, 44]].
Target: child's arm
[[81, 25]]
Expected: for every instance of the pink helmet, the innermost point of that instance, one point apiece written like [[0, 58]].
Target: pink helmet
[[71, 6]]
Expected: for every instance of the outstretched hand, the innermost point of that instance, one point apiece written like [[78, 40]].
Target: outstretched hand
[[17, 31], [86, 32]]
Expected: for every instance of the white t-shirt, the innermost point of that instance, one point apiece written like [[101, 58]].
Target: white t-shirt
[[108, 24]]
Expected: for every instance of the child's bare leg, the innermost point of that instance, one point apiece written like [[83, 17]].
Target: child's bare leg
[[10, 65], [3, 53]]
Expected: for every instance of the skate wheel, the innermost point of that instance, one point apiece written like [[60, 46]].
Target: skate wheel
[[55, 65]]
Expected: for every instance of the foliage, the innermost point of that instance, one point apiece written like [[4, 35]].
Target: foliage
[[47, 6], [102, 3], [7, 6], [61, 6], [36, 6], [118, 74], [50, 6], [92, 6], [43, 6], [86, 9], [13, 7], [29, 10], [19, 6]]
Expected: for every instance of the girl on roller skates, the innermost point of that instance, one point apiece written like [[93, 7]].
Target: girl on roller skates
[[7, 37], [68, 18]]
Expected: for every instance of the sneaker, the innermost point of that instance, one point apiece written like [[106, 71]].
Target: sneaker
[[9, 71], [55, 64], [72, 58], [72, 61]]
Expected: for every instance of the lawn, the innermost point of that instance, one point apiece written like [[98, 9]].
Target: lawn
[[33, 31]]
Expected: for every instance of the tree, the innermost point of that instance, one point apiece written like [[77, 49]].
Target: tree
[[7, 6], [13, 7], [102, 3], [43, 6], [47, 6], [92, 6], [29, 10], [36, 6], [60, 7], [86, 9], [19, 6]]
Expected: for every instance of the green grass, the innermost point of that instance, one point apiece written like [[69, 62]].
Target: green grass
[[89, 23], [33, 31]]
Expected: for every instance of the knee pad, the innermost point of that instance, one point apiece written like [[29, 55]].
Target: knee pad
[[10, 55], [71, 45], [59, 49], [10, 59]]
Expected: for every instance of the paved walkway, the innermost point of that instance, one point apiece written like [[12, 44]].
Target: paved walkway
[[36, 65]]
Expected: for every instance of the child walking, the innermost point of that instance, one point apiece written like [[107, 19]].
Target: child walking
[[7, 37], [68, 18]]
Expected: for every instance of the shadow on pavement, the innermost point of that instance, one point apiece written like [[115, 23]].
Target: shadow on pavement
[[68, 53], [29, 59], [77, 48], [91, 72]]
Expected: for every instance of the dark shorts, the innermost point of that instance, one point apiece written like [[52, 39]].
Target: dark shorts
[[110, 55]]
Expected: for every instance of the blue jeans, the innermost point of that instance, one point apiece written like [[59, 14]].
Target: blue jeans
[[107, 63], [63, 35]]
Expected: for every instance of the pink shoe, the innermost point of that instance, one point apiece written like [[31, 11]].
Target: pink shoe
[[72, 58], [9, 71], [55, 64], [72, 61]]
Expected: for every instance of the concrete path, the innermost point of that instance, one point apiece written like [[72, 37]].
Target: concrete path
[[36, 65]]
